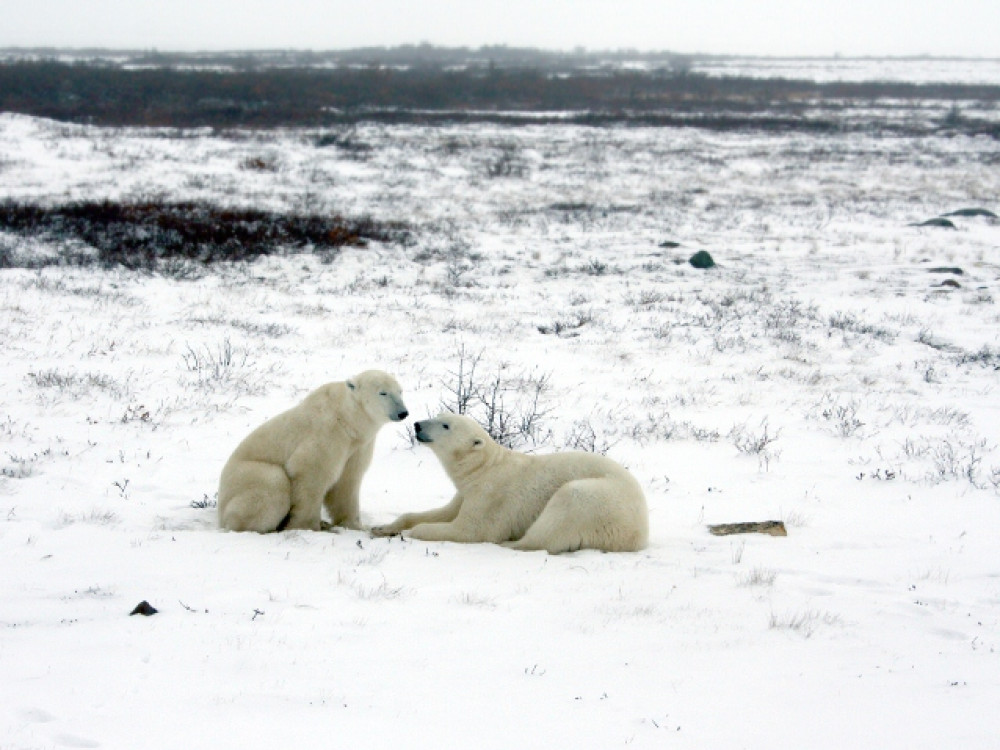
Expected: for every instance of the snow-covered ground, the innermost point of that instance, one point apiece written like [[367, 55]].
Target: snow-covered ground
[[823, 70], [821, 375]]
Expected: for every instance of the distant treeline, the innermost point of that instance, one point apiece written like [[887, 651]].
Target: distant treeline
[[405, 55], [269, 96]]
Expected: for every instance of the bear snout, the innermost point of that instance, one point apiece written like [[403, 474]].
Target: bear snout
[[401, 415], [418, 428]]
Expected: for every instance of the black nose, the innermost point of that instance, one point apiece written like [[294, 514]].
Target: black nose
[[417, 427], [402, 415]]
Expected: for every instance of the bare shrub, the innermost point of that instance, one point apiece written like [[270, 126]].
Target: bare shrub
[[757, 444], [19, 467], [786, 318], [567, 327], [510, 406], [260, 163], [596, 267], [224, 367], [464, 386], [258, 329], [215, 363], [95, 516], [963, 463], [994, 478], [645, 298], [842, 417], [456, 275], [986, 356], [136, 413], [348, 141], [205, 502], [736, 552], [370, 592], [752, 443], [927, 338], [583, 437], [512, 409], [507, 163], [181, 269], [763, 577], [473, 599], [77, 384], [850, 323], [664, 427], [803, 623]]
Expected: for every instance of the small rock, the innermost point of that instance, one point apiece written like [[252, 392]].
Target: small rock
[[702, 259], [669, 244], [949, 283], [946, 269], [144, 608]]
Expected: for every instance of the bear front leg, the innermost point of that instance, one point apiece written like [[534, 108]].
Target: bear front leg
[[307, 502], [408, 520], [459, 530], [311, 472], [343, 499]]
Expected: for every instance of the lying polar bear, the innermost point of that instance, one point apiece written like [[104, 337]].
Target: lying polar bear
[[556, 502], [312, 455]]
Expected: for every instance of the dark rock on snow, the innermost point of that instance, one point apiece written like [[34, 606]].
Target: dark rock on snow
[[144, 608], [971, 213], [701, 259], [936, 222]]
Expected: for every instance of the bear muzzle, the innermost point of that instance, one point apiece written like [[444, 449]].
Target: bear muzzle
[[422, 437], [397, 409]]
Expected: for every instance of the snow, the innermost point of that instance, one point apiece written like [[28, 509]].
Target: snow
[[927, 70], [873, 623]]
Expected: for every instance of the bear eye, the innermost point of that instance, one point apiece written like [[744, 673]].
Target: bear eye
[[382, 393], [445, 426]]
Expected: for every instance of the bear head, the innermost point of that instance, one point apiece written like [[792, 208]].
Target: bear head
[[454, 438], [379, 396], [462, 446]]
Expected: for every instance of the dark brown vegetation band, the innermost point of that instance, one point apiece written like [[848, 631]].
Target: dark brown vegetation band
[[137, 235]]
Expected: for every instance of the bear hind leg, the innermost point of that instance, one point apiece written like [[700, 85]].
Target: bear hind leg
[[581, 515], [558, 527], [248, 513], [258, 498]]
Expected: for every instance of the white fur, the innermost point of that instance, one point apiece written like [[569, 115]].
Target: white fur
[[556, 502], [312, 455]]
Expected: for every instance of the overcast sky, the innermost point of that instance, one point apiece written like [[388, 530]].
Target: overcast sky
[[759, 27]]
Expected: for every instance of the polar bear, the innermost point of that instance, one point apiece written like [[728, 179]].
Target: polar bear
[[312, 455], [556, 502]]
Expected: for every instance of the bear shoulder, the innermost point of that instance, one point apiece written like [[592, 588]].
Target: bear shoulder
[[326, 400]]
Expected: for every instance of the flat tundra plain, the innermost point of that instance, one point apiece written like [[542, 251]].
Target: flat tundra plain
[[837, 370]]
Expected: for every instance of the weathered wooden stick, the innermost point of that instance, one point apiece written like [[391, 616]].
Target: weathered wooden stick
[[774, 528]]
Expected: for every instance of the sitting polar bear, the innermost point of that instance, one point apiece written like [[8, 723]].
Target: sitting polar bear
[[556, 502], [312, 455]]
